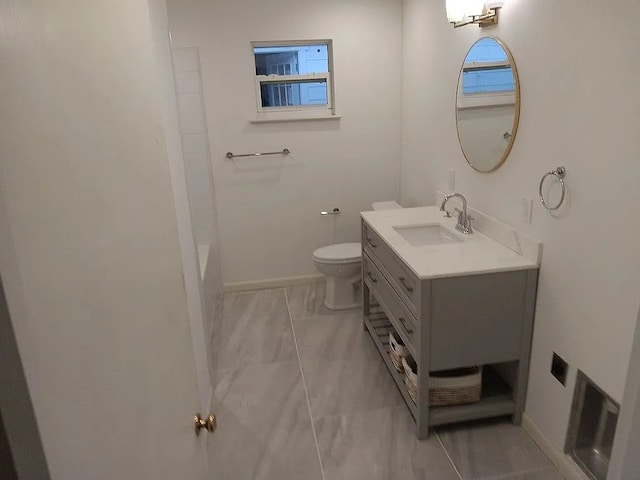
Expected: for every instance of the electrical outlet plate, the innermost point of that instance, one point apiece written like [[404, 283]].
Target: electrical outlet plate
[[525, 210], [559, 368]]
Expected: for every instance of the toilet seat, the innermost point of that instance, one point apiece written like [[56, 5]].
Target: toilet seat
[[339, 253]]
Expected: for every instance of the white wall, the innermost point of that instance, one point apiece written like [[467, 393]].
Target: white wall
[[575, 113], [199, 178], [269, 207], [193, 130], [89, 246]]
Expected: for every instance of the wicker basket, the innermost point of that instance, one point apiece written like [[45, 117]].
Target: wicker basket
[[397, 351], [452, 387], [455, 387], [411, 377]]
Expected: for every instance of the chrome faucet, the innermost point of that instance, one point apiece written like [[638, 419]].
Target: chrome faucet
[[464, 219]]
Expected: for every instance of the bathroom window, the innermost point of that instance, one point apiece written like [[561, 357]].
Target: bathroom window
[[487, 77], [293, 79]]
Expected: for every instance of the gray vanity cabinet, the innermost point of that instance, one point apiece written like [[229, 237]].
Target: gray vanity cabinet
[[452, 322]]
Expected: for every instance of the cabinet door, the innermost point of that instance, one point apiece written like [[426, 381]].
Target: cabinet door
[[477, 320]]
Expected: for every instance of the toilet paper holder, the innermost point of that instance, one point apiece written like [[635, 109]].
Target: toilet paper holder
[[335, 211]]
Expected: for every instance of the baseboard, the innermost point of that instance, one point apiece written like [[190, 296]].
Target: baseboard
[[565, 464], [271, 283]]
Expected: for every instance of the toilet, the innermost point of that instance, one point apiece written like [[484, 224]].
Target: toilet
[[341, 264]]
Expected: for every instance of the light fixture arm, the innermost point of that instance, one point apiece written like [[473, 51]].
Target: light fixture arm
[[484, 20]]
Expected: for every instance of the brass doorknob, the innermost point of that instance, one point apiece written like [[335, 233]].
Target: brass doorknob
[[208, 423]]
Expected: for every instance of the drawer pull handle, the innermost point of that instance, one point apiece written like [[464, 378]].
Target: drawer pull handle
[[371, 277], [403, 281], [372, 243], [404, 325]]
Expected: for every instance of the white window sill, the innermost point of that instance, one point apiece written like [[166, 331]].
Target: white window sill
[[486, 100], [309, 118]]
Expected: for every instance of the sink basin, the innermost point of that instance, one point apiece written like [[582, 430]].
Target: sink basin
[[421, 235]]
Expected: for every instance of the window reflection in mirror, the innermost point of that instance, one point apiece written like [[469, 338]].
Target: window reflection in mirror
[[488, 104]]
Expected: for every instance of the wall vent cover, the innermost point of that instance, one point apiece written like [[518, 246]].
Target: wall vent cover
[[592, 428]]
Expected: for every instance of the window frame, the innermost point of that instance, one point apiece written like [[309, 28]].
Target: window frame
[[294, 112], [485, 99]]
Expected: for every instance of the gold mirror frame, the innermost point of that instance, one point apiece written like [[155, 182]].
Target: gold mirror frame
[[516, 119]]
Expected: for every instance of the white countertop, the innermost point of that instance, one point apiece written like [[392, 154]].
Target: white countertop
[[475, 254]]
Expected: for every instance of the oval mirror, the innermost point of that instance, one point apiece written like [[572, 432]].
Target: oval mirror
[[487, 104]]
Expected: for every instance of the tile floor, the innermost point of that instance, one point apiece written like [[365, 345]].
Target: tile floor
[[302, 393]]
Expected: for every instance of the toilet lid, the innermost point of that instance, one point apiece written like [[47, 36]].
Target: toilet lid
[[339, 253]]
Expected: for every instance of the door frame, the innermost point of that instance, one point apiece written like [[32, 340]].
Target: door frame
[[188, 247], [16, 410], [624, 458]]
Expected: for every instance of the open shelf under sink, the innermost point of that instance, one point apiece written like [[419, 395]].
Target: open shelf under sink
[[497, 395]]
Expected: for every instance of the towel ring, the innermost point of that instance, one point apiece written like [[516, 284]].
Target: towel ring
[[559, 173]]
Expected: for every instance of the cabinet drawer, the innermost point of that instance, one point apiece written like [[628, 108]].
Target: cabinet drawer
[[401, 277], [402, 319]]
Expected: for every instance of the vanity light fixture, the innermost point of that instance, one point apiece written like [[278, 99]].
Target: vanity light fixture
[[468, 12]]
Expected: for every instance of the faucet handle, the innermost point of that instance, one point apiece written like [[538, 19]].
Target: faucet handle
[[467, 224], [458, 211], [464, 222]]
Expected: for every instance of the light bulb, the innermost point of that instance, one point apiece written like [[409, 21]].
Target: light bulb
[[463, 10], [456, 10], [475, 8]]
